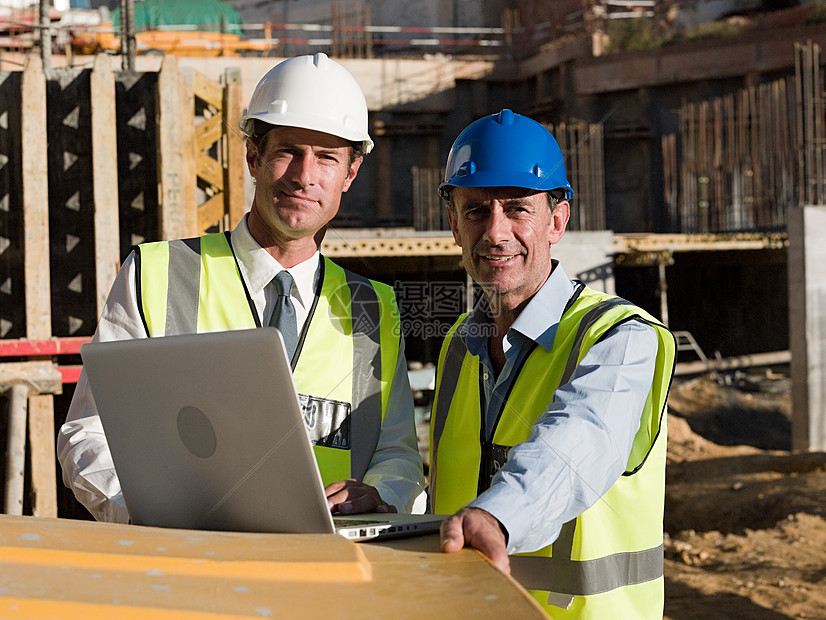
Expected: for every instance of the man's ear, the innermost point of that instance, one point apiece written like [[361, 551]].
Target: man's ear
[[559, 220], [252, 157], [453, 228], [352, 172]]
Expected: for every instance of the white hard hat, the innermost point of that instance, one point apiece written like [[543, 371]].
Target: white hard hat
[[311, 92]]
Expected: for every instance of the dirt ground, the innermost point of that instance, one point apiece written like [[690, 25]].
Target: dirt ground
[[745, 518]]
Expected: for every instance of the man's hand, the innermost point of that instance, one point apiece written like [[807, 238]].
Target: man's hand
[[477, 528], [350, 497]]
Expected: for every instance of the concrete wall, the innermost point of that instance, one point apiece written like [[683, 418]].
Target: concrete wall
[[807, 323], [588, 256], [389, 84]]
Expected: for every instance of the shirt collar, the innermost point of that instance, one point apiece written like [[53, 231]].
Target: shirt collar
[[537, 321], [259, 267]]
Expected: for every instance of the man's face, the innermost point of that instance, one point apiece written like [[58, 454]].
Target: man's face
[[505, 235], [299, 175]]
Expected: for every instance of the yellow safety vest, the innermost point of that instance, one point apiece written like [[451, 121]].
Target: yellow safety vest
[[608, 562], [346, 355]]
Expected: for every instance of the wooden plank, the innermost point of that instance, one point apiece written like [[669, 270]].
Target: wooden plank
[[70, 374], [35, 200], [52, 346], [235, 163], [40, 376], [209, 132], [210, 212], [210, 170], [208, 90], [171, 173], [190, 150], [15, 449], [164, 573], [37, 278], [105, 171], [42, 456]]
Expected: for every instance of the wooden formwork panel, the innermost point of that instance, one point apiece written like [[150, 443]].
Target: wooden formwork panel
[[72, 173], [12, 286], [137, 165], [71, 203], [92, 163], [218, 148]]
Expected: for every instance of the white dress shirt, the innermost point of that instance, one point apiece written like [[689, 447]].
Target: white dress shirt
[[395, 469]]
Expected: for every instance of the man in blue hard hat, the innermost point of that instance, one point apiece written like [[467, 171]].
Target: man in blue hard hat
[[548, 426]]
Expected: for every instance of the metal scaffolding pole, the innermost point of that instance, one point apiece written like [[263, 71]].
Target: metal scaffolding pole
[[45, 35], [127, 34]]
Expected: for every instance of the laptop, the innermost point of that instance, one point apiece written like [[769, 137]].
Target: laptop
[[206, 432]]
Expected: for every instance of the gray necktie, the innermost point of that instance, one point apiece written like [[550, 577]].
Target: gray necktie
[[283, 316]]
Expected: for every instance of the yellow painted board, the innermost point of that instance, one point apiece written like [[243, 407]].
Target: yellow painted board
[[60, 568]]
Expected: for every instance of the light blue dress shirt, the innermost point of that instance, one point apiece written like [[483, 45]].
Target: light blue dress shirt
[[580, 445]]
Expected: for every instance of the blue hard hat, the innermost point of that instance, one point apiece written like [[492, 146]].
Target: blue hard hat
[[506, 150]]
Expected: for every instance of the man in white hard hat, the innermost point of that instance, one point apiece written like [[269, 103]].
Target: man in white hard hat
[[306, 129]]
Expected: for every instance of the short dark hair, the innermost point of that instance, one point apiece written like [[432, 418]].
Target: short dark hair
[[260, 129]]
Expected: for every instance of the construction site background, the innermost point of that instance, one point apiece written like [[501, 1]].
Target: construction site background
[[687, 159]]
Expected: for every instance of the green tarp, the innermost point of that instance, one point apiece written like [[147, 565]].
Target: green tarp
[[208, 15]]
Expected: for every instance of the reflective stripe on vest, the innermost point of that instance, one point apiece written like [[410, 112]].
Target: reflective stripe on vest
[[585, 577], [451, 366], [557, 572], [174, 280], [184, 266], [367, 390]]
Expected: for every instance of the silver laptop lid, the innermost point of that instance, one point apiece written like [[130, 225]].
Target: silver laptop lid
[[206, 432]]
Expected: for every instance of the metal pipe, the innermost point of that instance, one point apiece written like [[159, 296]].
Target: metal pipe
[[123, 18], [127, 35], [16, 448], [663, 286], [130, 35], [45, 35], [729, 363]]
